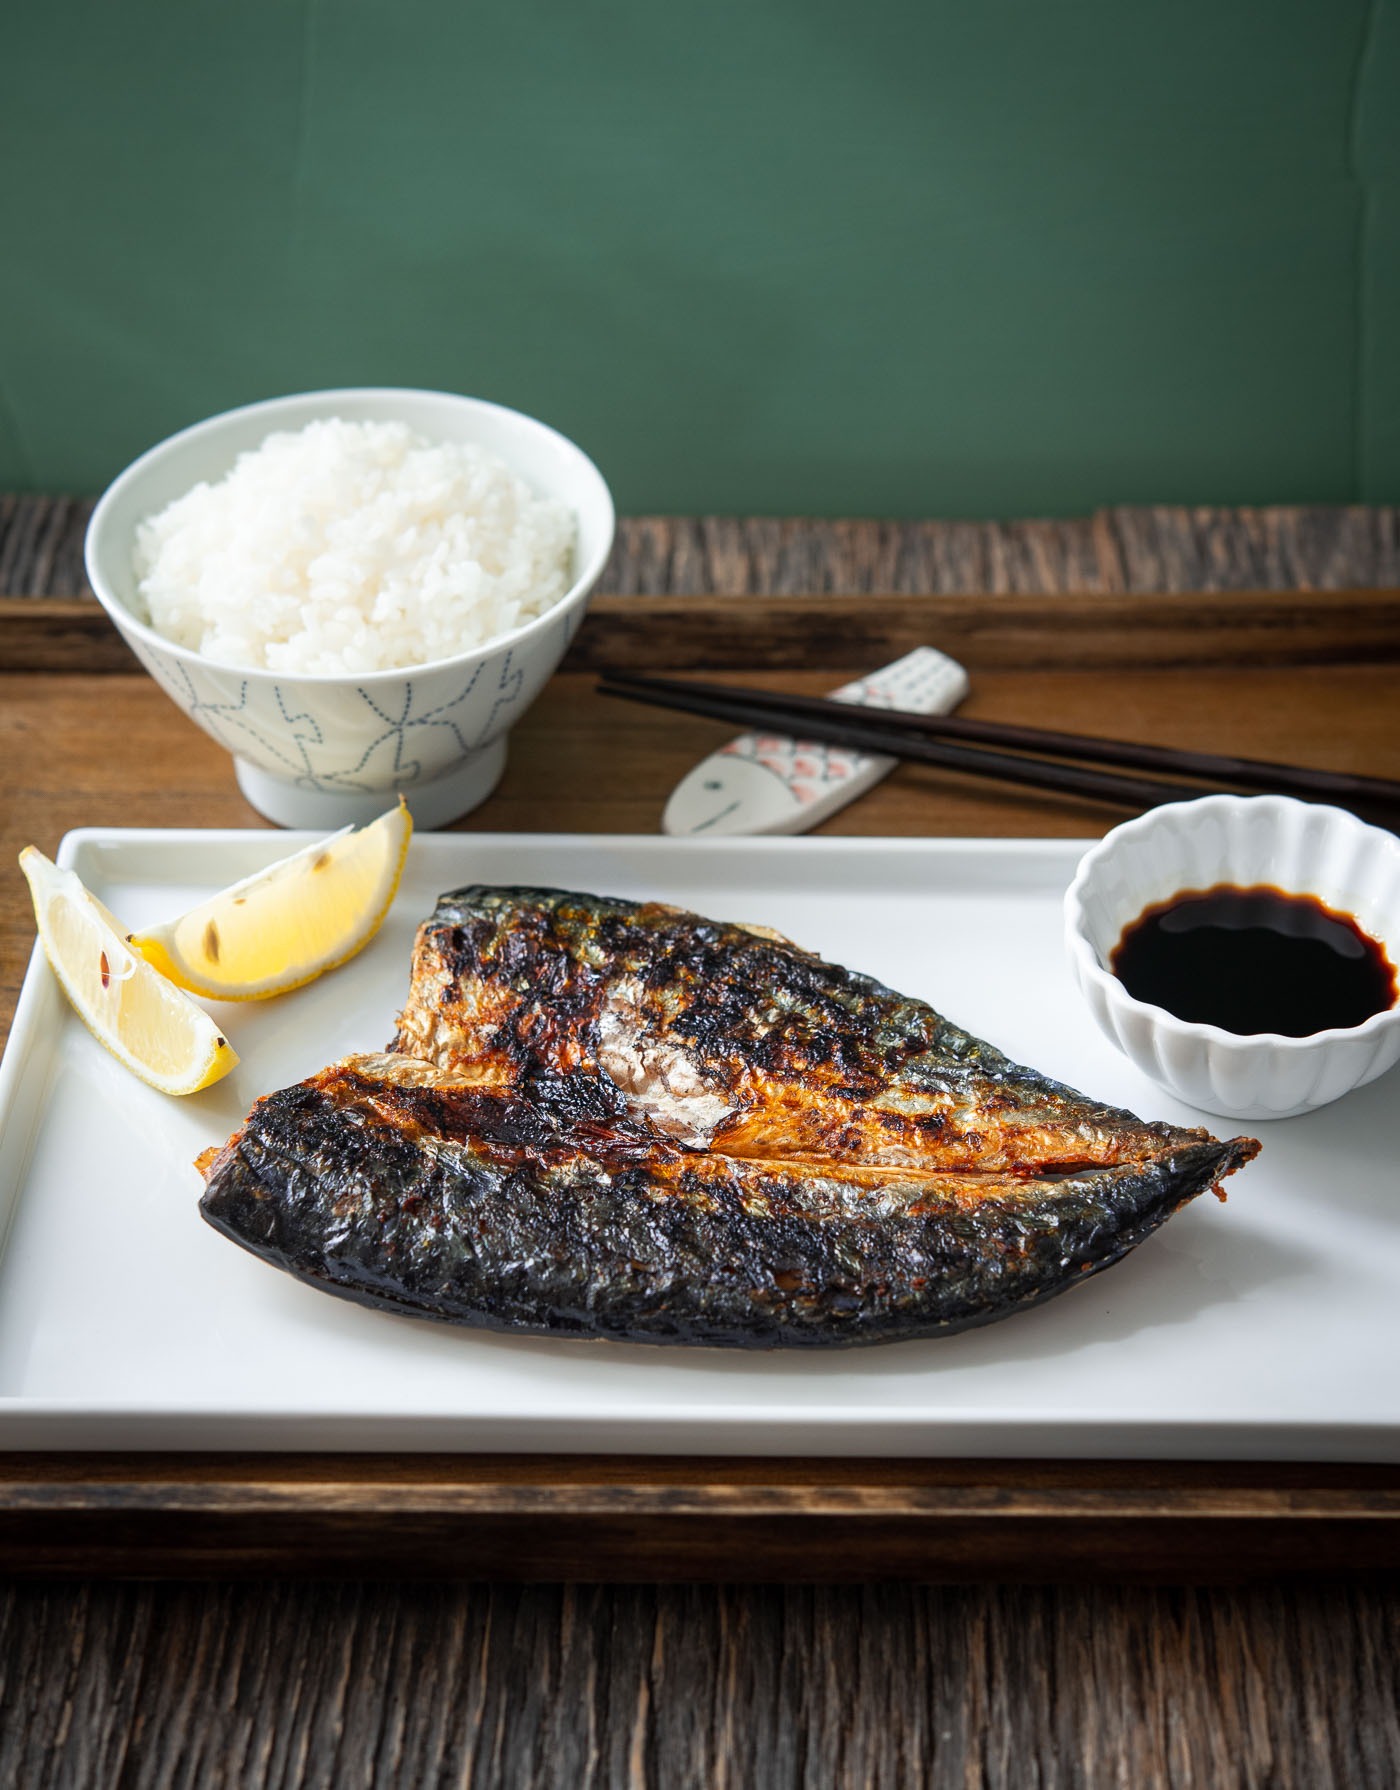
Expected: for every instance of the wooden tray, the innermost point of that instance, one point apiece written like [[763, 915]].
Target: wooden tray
[[1301, 676], [626, 1518], [1010, 632]]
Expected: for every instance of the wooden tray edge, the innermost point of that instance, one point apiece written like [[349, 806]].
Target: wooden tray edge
[[73, 634], [643, 1519]]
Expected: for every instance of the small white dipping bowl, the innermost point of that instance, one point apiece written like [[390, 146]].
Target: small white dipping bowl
[[324, 750], [1303, 848]]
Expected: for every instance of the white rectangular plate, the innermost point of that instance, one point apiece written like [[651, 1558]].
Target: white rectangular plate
[[1264, 1328]]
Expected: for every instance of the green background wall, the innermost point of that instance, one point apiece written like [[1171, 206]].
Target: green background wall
[[755, 255]]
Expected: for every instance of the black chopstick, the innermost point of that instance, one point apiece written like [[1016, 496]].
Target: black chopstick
[[848, 728], [1247, 773]]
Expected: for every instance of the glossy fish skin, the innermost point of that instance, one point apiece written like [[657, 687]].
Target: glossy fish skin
[[734, 1039], [714, 1175], [477, 1209]]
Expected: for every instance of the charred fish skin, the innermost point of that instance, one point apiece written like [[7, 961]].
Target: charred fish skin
[[618, 1120], [745, 1042], [479, 1209]]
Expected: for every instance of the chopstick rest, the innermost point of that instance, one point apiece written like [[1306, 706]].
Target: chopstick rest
[[773, 783]]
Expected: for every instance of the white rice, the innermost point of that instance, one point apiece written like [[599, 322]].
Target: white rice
[[352, 547]]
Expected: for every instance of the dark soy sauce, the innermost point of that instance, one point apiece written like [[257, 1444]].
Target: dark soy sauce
[[1254, 960]]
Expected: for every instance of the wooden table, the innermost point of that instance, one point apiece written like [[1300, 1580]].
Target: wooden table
[[1285, 1676]]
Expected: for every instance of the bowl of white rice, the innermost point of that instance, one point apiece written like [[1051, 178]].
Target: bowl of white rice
[[356, 592]]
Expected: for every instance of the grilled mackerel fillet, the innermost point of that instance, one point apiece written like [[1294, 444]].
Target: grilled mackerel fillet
[[605, 1119]]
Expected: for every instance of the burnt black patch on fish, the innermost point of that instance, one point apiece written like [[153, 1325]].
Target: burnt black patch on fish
[[601, 1118]]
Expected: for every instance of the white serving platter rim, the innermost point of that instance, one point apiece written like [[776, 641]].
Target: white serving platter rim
[[1260, 1330]]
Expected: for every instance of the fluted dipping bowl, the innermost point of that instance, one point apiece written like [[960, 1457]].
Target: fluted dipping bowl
[[324, 750], [1304, 848]]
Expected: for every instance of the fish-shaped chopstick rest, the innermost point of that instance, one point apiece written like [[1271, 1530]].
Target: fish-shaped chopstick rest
[[772, 783]]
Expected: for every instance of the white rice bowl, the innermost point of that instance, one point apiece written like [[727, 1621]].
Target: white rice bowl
[[352, 547]]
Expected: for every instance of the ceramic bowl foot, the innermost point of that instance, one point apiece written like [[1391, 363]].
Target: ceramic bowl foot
[[433, 804]]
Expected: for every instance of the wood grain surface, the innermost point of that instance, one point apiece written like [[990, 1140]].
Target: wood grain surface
[[50, 621], [893, 1683], [1162, 548], [895, 1687]]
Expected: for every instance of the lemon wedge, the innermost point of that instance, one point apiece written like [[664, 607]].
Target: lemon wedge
[[289, 923], [146, 1023]]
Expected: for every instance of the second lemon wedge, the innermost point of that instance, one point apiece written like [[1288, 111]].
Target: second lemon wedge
[[159, 1033], [287, 924]]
